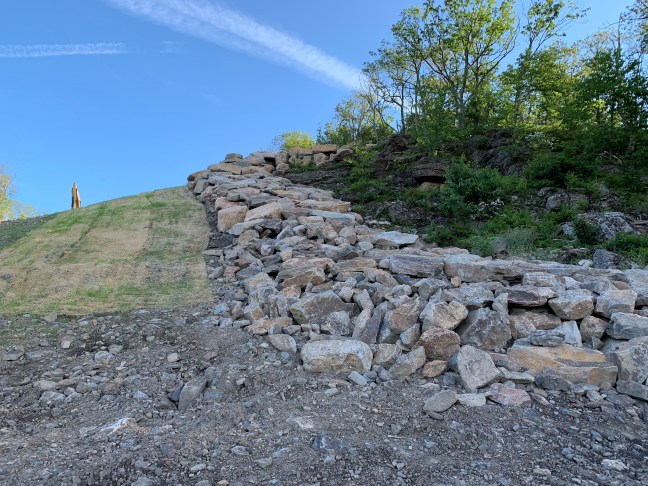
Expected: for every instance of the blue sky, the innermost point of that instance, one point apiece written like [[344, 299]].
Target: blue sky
[[129, 96]]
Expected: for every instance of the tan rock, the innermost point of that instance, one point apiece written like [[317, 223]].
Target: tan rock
[[224, 167], [328, 148], [336, 356], [435, 368], [229, 216], [331, 205], [439, 344], [271, 210], [576, 365]]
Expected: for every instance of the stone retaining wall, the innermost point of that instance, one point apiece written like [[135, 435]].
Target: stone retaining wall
[[295, 264]]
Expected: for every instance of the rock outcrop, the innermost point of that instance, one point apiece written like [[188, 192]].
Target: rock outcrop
[[293, 260]]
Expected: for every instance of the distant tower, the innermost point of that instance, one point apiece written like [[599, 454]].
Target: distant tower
[[76, 199]]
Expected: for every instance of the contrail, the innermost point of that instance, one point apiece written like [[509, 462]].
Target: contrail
[[228, 28], [49, 50]]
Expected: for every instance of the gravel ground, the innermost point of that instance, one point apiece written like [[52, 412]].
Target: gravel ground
[[98, 400]]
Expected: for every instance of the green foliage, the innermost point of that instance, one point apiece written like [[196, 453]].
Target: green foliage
[[470, 191], [586, 233], [631, 246], [295, 139], [9, 207]]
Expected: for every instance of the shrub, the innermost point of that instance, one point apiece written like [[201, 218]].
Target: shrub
[[288, 140], [586, 233], [631, 246]]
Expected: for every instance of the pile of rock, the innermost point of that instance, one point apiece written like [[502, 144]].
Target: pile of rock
[[308, 273], [276, 161]]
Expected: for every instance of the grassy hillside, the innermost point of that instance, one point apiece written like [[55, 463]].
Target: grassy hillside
[[139, 251]]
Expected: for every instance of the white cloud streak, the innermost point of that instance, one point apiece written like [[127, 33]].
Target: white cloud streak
[[234, 30], [51, 50]]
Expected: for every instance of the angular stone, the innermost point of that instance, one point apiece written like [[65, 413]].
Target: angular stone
[[592, 327], [190, 391], [528, 296], [411, 335], [283, 342], [315, 308], [485, 329], [573, 304], [366, 330], [386, 354], [336, 356], [328, 148], [548, 338], [230, 216], [638, 281], [439, 344], [508, 395], [633, 389], [632, 359], [472, 399], [271, 210], [334, 205], [445, 316], [404, 316], [517, 376], [440, 402], [613, 301], [476, 368], [435, 368], [571, 333], [223, 167], [312, 276], [542, 279], [575, 365], [337, 324], [416, 265], [627, 326], [393, 239], [353, 265], [407, 364], [264, 326], [472, 296]]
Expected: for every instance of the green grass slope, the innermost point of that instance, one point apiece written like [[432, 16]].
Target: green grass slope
[[134, 252]]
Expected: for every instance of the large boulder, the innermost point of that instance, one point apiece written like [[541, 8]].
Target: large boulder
[[472, 296], [632, 359], [572, 364], [315, 308], [476, 368], [627, 326], [443, 315], [336, 356], [638, 280], [416, 265], [485, 329], [439, 344], [529, 296], [404, 316], [230, 216], [612, 301], [573, 304]]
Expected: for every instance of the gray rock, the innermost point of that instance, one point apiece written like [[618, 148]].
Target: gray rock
[[283, 342], [592, 327], [609, 224], [529, 296], [366, 330], [573, 304], [190, 391], [606, 259], [336, 356], [393, 239], [357, 378], [440, 402], [542, 279], [386, 354], [472, 399], [443, 315], [337, 324], [612, 301], [316, 308], [416, 265], [547, 338], [407, 364], [632, 360], [633, 389], [476, 368], [571, 332], [13, 354], [51, 396], [627, 326], [638, 281], [404, 316], [472, 296], [485, 329]]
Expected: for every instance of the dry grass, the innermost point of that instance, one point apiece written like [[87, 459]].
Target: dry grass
[[139, 251]]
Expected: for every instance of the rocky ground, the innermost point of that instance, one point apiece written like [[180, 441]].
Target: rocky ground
[[97, 402]]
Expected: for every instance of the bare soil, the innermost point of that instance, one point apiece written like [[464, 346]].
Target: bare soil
[[262, 420]]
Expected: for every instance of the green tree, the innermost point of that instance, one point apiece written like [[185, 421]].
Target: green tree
[[294, 139], [466, 42], [9, 207]]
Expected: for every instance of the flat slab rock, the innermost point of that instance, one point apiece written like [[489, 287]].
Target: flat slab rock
[[575, 365]]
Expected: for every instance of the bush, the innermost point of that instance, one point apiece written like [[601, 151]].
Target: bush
[[288, 140], [586, 233], [631, 246]]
